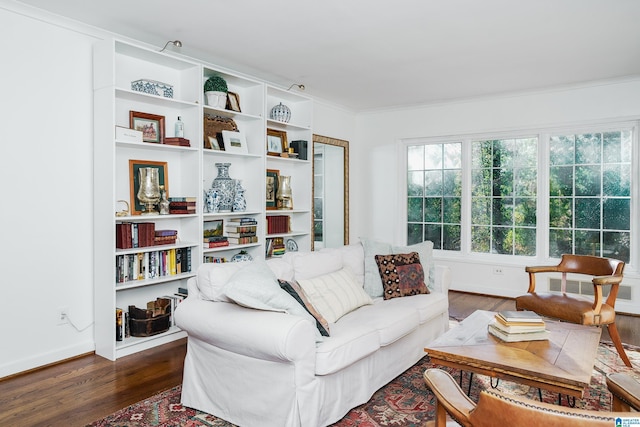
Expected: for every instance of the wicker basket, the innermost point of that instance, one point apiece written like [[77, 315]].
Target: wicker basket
[[145, 323]]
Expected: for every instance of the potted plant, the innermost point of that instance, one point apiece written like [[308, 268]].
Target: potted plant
[[215, 89]]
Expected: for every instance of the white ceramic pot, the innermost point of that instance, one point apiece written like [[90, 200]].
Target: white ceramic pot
[[216, 99]]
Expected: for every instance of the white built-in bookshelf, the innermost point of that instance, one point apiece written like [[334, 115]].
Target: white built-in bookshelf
[[190, 172]]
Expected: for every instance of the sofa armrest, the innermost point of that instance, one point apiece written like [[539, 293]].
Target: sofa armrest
[[442, 279], [259, 334]]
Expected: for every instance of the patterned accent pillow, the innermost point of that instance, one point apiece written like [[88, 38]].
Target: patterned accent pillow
[[402, 275], [294, 289]]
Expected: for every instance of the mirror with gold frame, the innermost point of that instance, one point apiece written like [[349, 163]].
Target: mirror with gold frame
[[330, 192]]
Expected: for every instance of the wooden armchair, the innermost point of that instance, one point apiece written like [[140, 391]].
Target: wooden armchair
[[574, 309], [496, 409]]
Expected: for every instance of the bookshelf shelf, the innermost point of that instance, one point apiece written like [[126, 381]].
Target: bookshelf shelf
[[133, 284]]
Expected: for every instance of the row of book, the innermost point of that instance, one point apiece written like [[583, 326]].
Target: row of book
[[215, 259], [182, 205], [153, 264], [516, 326], [275, 247], [142, 234], [277, 224]]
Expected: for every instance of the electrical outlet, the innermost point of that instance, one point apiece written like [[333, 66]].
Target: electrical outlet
[[497, 270], [61, 318]]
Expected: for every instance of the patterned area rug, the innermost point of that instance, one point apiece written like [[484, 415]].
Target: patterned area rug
[[404, 402]]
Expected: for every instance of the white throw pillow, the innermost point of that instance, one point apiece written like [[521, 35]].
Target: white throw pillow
[[213, 276], [352, 257], [335, 294], [372, 281], [255, 286]]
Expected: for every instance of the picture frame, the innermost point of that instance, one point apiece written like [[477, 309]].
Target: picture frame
[[213, 228], [134, 181], [151, 126], [272, 188], [213, 143], [276, 142], [234, 142], [233, 102]]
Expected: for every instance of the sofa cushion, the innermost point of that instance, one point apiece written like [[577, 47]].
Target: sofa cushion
[[307, 265], [255, 286], [282, 269], [391, 321], [427, 306], [335, 294], [213, 276], [402, 275], [346, 345], [294, 289]]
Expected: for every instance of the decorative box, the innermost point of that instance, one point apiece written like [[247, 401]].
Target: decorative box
[[153, 87], [128, 135]]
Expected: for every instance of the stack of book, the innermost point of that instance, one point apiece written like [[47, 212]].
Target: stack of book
[[275, 247], [241, 231], [135, 235], [166, 237], [215, 241], [515, 326], [182, 205], [182, 142]]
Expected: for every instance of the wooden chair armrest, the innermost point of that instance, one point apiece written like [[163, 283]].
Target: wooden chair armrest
[[450, 397], [541, 269], [607, 280]]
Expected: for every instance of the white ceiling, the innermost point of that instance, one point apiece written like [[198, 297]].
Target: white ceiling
[[372, 54]]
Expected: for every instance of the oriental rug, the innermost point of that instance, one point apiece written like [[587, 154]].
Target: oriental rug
[[404, 402]]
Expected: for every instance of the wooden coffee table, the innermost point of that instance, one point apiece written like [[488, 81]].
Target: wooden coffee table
[[562, 364]]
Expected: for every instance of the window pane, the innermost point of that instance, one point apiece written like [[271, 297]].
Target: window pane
[[502, 182], [432, 209], [441, 188], [482, 155], [525, 241], [502, 210], [561, 150], [560, 242], [414, 209], [525, 182], [415, 158], [502, 240], [481, 210], [598, 199], [525, 212], [481, 180], [414, 233], [481, 239]]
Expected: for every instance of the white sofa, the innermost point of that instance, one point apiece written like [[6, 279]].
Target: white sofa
[[267, 368]]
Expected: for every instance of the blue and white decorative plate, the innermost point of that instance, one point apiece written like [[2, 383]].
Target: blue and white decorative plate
[[292, 246]]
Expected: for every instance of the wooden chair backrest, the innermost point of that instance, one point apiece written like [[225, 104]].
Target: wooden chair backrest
[[591, 265]]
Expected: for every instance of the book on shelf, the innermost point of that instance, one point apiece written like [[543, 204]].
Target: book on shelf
[[241, 228], [214, 259], [518, 337], [510, 317], [515, 329], [242, 221], [243, 240], [216, 244], [277, 224], [120, 324], [183, 199], [183, 142], [242, 234], [135, 234]]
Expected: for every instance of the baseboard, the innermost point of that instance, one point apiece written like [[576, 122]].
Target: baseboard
[[42, 360]]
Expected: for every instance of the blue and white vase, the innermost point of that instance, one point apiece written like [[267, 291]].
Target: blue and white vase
[[212, 201], [225, 187], [239, 201]]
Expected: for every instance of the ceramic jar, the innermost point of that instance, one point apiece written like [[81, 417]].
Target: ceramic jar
[[224, 187]]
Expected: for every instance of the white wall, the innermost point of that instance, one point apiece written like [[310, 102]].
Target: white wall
[[46, 159], [376, 166]]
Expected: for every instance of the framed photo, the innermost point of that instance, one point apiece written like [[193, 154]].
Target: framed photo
[[272, 188], [213, 228], [151, 126], [234, 142], [134, 181], [213, 143], [233, 102], [276, 142]]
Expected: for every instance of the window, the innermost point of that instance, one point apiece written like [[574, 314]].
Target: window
[[590, 194], [503, 196], [434, 193], [481, 195]]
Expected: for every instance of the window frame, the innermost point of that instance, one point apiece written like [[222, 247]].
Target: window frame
[[542, 205]]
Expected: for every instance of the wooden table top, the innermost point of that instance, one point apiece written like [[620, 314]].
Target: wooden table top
[[563, 363]]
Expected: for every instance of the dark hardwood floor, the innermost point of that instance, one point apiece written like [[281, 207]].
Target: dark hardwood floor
[[82, 390]]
